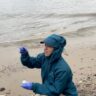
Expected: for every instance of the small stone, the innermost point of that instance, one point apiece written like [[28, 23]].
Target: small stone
[[2, 89], [24, 81], [88, 78], [94, 74], [80, 82], [88, 85]]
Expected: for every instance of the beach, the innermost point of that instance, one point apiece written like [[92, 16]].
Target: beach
[[27, 22], [80, 53]]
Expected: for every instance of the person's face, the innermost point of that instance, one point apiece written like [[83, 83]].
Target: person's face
[[48, 50]]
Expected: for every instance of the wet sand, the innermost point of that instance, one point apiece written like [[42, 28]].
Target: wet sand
[[80, 53]]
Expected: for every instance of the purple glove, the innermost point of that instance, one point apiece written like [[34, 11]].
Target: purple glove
[[23, 51], [26, 85]]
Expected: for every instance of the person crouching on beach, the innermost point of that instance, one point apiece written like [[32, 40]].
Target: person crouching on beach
[[55, 72]]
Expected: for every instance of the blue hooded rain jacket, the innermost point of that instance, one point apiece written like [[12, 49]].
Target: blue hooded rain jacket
[[55, 72]]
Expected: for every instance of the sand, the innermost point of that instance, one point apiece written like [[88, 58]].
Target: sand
[[80, 53]]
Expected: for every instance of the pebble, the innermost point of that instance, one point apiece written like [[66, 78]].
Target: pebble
[[2, 89]]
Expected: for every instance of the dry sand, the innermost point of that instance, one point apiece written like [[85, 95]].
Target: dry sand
[[79, 53]]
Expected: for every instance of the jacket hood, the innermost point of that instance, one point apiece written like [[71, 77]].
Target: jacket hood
[[58, 43]]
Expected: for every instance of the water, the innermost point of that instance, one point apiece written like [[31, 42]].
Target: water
[[26, 19]]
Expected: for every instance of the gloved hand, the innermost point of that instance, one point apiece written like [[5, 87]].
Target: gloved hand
[[26, 85], [23, 51]]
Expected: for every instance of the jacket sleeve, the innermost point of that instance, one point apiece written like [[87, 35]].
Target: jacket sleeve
[[32, 62], [54, 89]]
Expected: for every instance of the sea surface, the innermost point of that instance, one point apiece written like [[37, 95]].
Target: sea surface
[[26, 19]]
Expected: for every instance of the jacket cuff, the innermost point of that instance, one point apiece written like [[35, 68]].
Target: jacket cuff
[[34, 86]]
